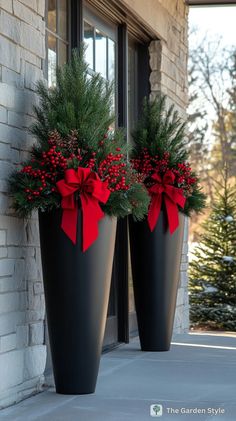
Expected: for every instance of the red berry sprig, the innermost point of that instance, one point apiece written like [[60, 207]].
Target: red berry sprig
[[52, 164], [146, 165], [113, 170]]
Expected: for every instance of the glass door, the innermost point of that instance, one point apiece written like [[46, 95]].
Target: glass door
[[100, 39]]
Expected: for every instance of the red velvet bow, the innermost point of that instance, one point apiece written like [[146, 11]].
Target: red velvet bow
[[92, 191], [173, 196]]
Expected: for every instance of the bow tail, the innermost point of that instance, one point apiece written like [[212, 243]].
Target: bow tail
[[154, 210], [172, 214], [92, 213], [69, 222]]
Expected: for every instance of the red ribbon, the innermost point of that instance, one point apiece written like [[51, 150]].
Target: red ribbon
[[163, 189], [92, 190]]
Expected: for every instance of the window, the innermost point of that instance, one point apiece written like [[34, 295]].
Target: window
[[100, 52], [100, 39], [57, 37]]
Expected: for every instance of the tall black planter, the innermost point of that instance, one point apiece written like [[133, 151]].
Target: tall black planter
[[155, 258], [76, 286]]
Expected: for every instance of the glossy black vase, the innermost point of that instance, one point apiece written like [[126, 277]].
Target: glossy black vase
[[77, 286], [155, 259]]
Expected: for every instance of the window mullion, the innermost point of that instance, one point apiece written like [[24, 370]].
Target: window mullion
[[123, 76], [94, 49], [77, 28]]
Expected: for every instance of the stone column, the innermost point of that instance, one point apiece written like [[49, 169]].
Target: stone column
[[169, 76]]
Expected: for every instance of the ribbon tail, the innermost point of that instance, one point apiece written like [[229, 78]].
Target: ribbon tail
[[91, 214], [172, 214], [69, 222], [154, 211]]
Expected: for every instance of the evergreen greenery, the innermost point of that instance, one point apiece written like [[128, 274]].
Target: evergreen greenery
[[161, 132], [77, 113], [78, 101], [213, 270]]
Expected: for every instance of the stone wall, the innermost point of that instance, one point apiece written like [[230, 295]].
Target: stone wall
[[181, 324], [168, 63], [22, 349]]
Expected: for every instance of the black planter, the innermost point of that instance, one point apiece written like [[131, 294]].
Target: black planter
[[155, 259], [76, 286]]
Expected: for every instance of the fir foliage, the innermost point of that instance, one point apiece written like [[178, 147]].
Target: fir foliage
[[160, 130], [76, 102], [213, 270]]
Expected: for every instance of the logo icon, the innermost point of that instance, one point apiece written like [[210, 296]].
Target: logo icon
[[156, 410]]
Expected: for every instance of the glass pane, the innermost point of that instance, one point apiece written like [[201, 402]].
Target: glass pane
[[62, 19], [89, 42], [52, 60], [100, 54], [111, 59], [62, 53], [52, 20]]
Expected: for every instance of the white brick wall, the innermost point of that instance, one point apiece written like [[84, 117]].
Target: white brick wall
[[168, 63], [22, 309]]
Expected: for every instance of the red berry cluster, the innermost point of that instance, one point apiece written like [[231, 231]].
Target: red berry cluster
[[113, 170], [146, 164], [92, 161], [49, 166], [39, 181], [184, 177], [53, 160], [44, 172]]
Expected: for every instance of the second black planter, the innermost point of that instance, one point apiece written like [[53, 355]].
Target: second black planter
[[77, 287], [155, 259]]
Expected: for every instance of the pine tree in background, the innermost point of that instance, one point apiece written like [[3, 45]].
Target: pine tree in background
[[213, 269]]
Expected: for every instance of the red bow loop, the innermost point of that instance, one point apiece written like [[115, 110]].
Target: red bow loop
[[173, 196], [92, 190], [169, 177]]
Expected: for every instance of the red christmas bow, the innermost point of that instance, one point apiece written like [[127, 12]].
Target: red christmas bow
[[173, 196], [92, 191]]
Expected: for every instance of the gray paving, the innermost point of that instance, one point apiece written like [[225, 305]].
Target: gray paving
[[198, 374]]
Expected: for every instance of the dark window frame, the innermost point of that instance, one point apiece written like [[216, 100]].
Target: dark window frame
[[57, 36]]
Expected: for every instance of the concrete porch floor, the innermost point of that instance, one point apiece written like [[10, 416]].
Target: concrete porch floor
[[198, 372]]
